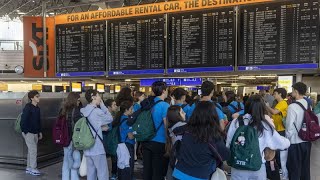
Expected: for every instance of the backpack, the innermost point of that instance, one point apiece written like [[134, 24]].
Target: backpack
[[227, 111], [244, 147], [176, 146], [82, 136], [60, 132], [174, 153], [238, 108], [112, 139], [310, 129], [17, 124], [143, 124]]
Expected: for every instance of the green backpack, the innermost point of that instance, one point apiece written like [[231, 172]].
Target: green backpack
[[111, 140], [17, 124], [144, 126], [244, 147], [82, 136]]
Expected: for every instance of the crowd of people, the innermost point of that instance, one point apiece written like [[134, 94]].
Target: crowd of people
[[257, 135]]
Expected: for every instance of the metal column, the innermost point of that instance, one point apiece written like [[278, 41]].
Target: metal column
[[45, 62]]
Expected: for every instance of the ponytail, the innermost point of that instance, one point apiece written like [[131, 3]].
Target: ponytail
[[125, 105]]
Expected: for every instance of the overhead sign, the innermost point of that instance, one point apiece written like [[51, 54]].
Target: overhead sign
[[173, 81], [100, 87], [33, 47], [285, 82], [76, 86], [149, 9], [3, 87], [37, 87]]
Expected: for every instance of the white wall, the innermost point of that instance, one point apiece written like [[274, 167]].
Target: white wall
[[313, 82]]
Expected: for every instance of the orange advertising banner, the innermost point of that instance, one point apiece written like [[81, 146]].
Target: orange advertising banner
[[33, 47], [150, 9]]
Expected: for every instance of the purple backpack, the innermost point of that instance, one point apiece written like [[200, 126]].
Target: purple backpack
[[60, 132], [310, 129]]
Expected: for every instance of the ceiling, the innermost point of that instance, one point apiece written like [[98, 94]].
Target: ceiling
[[12, 9]]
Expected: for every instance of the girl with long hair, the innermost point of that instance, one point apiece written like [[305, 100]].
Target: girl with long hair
[[125, 94], [255, 116], [202, 147], [72, 158], [175, 128]]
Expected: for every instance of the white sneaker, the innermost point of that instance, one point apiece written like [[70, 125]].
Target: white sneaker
[[35, 172], [28, 170]]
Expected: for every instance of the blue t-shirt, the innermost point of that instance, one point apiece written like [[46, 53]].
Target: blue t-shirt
[[308, 100], [186, 109], [219, 111], [136, 107], [159, 112], [235, 104], [124, 130]]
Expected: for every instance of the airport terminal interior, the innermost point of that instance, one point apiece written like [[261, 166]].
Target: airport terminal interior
[[58, 47]]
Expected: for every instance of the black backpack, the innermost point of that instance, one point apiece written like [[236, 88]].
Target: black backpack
[[176, 146]]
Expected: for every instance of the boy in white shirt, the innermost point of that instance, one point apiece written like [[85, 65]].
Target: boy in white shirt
[[298, 163]]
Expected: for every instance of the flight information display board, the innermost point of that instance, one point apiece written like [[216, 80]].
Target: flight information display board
[[282, 35], [136, 45], [201, 41], [81, 49]]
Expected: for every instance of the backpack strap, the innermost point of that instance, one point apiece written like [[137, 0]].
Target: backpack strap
[[156, 103], [215, 151], [233, 107], [301, 105], [88, 122], [304, 109], [217, 106], [159, 127], [94, 130], [241, 121]]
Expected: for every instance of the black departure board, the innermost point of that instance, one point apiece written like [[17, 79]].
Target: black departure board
[[136, 44], [279, 33], [202, 39], [81, 48]]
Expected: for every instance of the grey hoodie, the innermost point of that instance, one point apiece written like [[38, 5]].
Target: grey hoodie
[[97, 117]]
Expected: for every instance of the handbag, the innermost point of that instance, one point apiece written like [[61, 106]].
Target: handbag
[[219, 175], [83, 167]]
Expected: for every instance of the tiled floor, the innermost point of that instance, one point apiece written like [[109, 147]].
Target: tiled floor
[[52, 172]]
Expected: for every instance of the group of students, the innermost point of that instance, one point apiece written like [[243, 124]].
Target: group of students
[[192, 139]]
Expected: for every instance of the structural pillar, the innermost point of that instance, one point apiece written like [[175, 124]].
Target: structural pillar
[[299, 77]]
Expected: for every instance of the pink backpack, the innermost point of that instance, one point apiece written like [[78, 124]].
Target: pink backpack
[[60, 132]]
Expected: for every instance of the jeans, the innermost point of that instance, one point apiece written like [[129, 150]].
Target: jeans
[[153, 168], [71, 163]]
